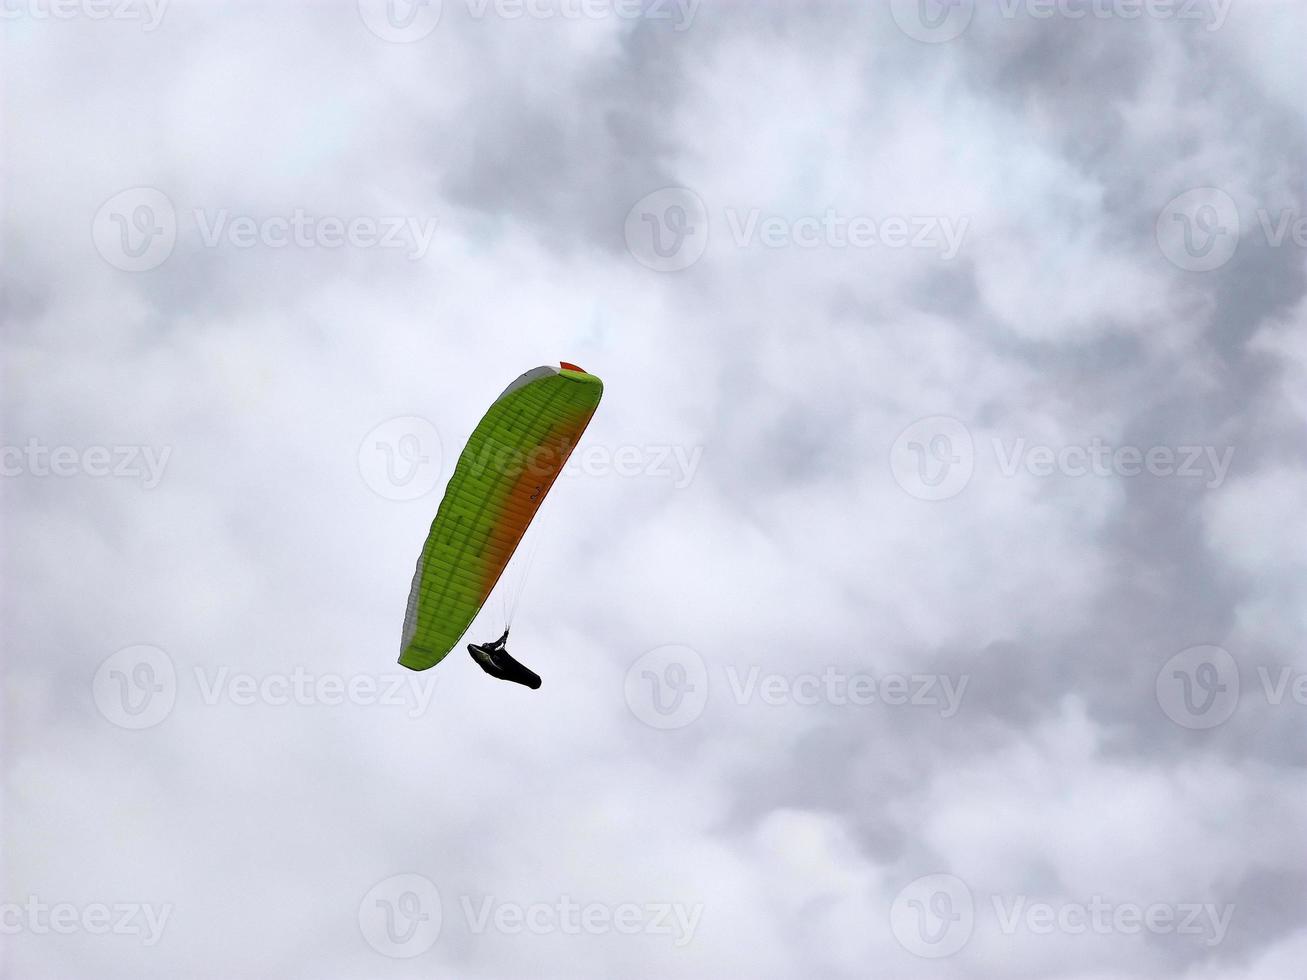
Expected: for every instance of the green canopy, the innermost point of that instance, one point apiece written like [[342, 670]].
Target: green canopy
[[508, 465]]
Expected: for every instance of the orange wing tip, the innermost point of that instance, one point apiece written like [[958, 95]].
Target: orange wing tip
[[569, 366]]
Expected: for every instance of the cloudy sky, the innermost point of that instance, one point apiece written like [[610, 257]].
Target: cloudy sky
[[927, 598]]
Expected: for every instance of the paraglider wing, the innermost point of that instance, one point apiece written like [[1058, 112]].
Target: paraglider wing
[[504, 472]]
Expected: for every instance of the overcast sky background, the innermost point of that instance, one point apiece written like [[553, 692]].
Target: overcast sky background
[[838, 452]]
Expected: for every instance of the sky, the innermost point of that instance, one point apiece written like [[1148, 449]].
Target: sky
[[927, 595]]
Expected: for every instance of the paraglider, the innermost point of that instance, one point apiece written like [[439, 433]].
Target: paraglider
[[509, 464]]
